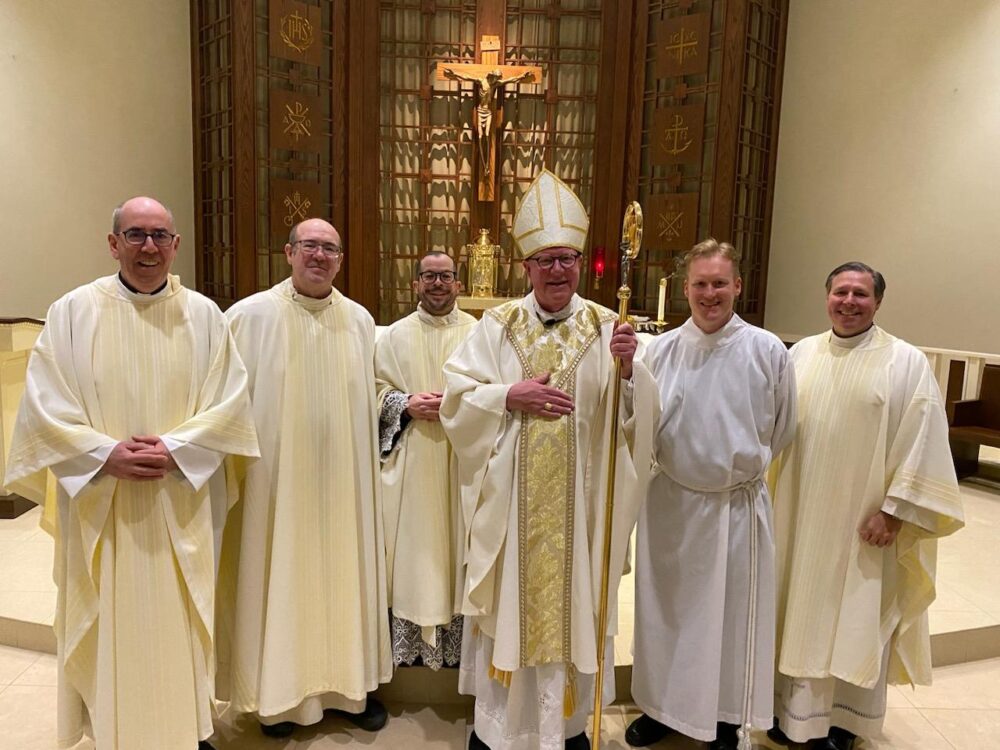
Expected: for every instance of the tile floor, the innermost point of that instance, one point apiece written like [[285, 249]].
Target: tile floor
[[961, 711], [969, 566]]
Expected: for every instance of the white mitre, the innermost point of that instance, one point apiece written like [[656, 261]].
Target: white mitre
[[550, 215]]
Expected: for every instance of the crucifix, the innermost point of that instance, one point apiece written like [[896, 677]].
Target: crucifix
[[488, 76]]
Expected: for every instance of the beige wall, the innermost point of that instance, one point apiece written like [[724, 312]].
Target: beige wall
[[96, 103], [890, 153]]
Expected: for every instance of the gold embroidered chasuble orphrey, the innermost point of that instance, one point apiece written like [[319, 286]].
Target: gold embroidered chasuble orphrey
[[546, 482]]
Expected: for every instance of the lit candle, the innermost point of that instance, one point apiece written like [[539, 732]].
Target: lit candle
[[661, 305]]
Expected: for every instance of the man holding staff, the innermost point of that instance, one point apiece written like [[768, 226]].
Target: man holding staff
[[527, 407]]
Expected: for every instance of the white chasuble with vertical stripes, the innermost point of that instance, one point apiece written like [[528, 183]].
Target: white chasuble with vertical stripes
[[872, 435], [419, 485], [310, 613], [135, 561]]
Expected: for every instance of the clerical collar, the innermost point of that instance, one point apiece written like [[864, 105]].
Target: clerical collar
[[309, 303], [440, 321], [130, 293], [852, 342], [551, 318], [129, 287]]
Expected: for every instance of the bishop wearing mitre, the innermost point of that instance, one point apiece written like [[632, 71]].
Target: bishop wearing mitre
[[527, 407]]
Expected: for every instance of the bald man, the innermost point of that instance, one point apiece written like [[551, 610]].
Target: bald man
[[134, 395], [304, 553]]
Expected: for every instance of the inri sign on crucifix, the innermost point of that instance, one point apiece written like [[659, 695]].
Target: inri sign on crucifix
[[488, 76]]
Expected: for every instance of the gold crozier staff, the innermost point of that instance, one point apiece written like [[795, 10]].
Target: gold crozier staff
[[630, 244]]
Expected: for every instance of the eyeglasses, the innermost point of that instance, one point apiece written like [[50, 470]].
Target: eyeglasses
[[327, 248], [429, 277], [137, 237], [546, 262]]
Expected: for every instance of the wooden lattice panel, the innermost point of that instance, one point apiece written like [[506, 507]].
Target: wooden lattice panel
[[685, 182], [426, 150], [213, 143], [733, 181], [293, 44], [261, 69], [756, 143], [553, 123]]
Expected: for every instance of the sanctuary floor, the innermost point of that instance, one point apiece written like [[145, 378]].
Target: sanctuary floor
[[961, 711], [967, 592]]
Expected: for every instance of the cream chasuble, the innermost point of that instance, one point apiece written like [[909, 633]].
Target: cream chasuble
[[872, 434], [309, 620], [135, 561], [533, 493], [728, 405], [420, 501]]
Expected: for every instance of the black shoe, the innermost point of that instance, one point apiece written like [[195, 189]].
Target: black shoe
[[776, 735], [205, 745], [371, 719], [837, 739], [725, 737], [580, 742], [475, 743], [279, 731], [645, 731]]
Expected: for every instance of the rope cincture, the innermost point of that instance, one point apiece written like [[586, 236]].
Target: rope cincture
[[743, 733]]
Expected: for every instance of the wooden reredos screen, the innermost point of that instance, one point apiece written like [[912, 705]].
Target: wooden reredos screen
[[332, 108]]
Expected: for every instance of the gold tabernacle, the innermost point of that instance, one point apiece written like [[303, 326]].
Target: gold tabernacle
[[483, 256]]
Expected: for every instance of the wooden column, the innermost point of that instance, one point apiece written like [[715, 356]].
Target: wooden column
[[615, 111], [730, 105], [362, 101], [244, 149]]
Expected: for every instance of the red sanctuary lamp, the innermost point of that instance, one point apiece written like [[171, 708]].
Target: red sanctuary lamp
[[598, 266]]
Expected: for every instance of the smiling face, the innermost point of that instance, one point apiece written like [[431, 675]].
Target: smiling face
[[554, 287], [144, 267], [711, 287], [851, 303], [437, 297], [313, 271]]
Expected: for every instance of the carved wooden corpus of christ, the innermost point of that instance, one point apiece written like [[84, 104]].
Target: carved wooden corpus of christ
[[488, 77], [487, 91]]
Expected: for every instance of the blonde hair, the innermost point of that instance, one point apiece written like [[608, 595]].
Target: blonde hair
[[707, 249]]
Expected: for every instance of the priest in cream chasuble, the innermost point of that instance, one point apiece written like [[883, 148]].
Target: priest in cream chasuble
[[861, 497], [303, 578], [134, 395], [527, 409], [420, 499]]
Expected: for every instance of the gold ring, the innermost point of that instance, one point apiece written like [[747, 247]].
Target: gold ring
[[548, 406]]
